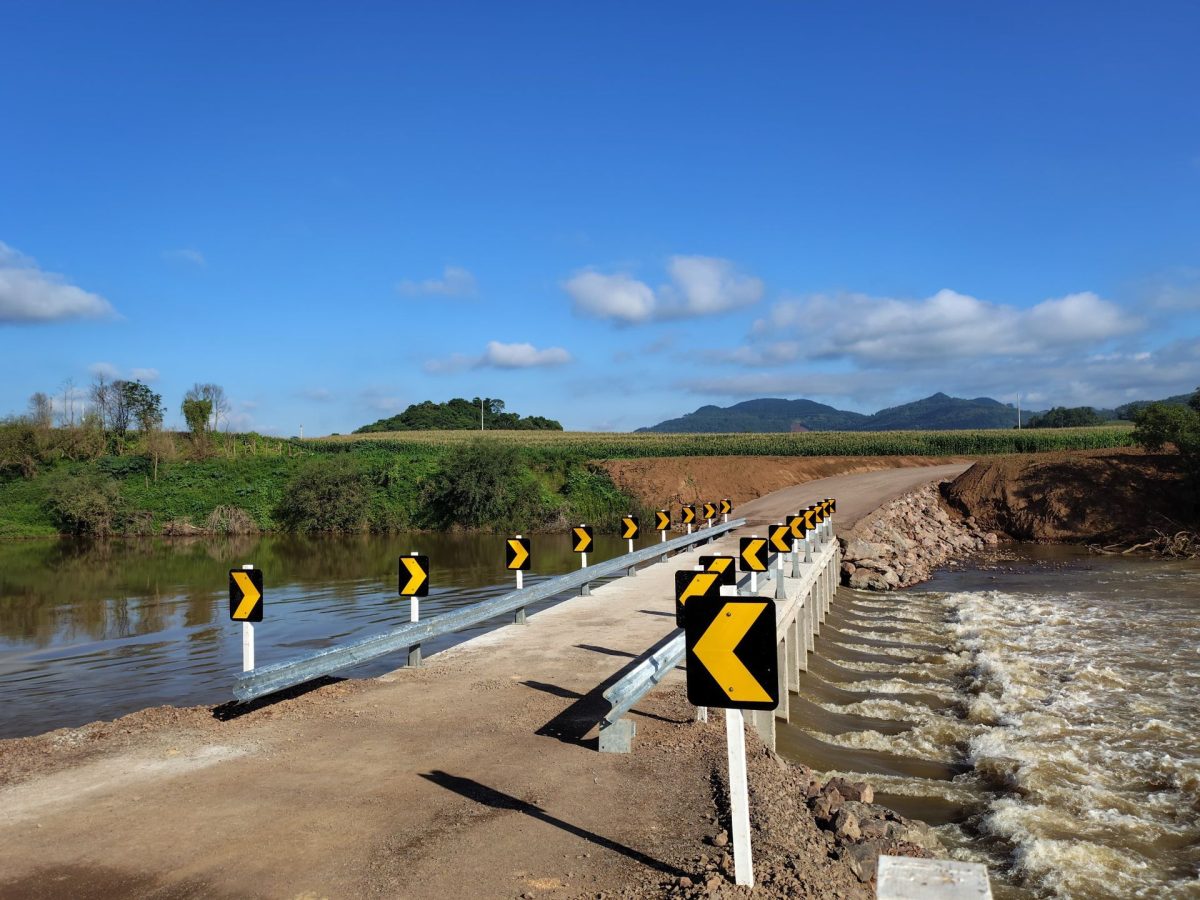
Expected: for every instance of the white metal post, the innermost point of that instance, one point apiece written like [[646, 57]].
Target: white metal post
[[631, 545], [248, 639], [520, 580], [739, 798], [414, 609]]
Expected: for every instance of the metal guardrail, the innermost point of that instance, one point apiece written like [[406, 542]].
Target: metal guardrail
[[276, 677], [616, 732]]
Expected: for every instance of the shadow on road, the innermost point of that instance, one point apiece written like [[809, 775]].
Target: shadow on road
[[481, 793]]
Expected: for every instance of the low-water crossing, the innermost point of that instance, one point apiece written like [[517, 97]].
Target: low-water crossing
[[1041, 709]]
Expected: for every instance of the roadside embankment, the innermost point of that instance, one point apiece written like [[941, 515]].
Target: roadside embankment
[[1077, 497], [903, 541]]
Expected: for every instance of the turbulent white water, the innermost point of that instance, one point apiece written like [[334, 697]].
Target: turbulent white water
[[1076, 702]]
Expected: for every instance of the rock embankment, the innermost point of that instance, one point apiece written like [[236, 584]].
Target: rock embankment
[[902, 542], [810, 838]]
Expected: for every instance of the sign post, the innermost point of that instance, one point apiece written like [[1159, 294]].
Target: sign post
[[246, 606], [726, 509], [662, 521], [752, 552], [781, 543], [414, 584], [689, 516], [517, 558], [732, 664], [629, 529], [583, 541]]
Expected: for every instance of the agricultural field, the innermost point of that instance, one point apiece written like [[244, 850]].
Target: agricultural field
[[598, 445]]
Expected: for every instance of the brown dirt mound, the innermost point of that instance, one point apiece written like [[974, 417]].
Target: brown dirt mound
[[1078, 496], [672, 480]]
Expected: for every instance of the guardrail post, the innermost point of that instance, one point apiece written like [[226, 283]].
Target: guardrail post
[[519, 612], [780, 589], [795, 558], [807, 548], [764, 723], [617, 737], [781, 674]]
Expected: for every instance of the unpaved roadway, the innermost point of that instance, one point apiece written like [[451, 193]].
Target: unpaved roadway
[[476, 776]]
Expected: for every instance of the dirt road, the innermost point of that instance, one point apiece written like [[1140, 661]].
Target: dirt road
[[475, 776], [857, 495]]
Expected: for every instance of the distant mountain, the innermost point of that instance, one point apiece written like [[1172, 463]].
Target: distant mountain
[[764, 415], [936, 413]]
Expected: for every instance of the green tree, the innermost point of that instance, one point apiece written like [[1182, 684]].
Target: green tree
[[1066, 417], [1159, 425], [484, 485], [196, 412]]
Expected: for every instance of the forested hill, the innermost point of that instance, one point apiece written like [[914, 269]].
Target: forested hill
[[936, 413], [460, 415]]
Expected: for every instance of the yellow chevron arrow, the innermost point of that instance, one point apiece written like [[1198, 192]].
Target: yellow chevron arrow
[[688, 515], [520, 554], [781, 538], [583, 540], [752, 557], [720, 564], [250, 596], [416, 575], [709, 510], [699, 585], [715, 649], [664, 521], [631, 527]]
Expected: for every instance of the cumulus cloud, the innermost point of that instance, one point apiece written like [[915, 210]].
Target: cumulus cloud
[[885, 330], [187, 255], [455, 282], [498, 355], [148, 376], [699, 286], [104, 370], [29, 294]]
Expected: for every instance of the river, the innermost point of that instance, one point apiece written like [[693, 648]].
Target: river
[[93, 631], [1042, 709]]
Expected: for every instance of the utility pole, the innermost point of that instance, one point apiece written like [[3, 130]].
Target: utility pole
[[301, 432], [1018, 410], [481, 414]]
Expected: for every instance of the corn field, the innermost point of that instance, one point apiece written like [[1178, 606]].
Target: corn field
[[599, 445]]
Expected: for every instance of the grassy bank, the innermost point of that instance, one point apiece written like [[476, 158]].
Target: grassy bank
[[413, 480]]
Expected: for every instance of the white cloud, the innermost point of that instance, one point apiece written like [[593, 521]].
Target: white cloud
[[104, 370], [187, 255], [700, 286], [705, 285], [499, 355], [611, 296], [147, 376], [455, 282], [28, 294], [522, 356], [884, 330], [1176, 291]]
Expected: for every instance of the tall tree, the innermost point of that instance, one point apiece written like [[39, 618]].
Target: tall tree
[[214, 394], [41, 410], [101, 394]]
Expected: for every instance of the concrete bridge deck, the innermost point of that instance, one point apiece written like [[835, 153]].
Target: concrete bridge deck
[[475, 776]]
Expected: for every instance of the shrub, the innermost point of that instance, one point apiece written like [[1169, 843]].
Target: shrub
[[483, 485], [88, 504], [328, 495], [230, 520]]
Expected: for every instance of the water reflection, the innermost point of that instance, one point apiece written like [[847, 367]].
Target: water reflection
[[95, 630]]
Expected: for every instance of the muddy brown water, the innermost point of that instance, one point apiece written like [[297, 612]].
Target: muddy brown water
[[1041, 708], [93, 631]]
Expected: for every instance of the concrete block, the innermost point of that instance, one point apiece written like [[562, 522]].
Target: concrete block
[[905, 878]]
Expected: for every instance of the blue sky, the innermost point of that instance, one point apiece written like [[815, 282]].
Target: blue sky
[[609, 214]]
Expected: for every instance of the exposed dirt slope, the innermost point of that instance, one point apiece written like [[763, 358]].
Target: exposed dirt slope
[[1085, 495], [672, 480]]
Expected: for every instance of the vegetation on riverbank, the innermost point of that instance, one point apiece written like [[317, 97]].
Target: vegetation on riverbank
[[76, 480]]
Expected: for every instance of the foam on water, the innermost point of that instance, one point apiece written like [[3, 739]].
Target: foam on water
[[1077, 703]]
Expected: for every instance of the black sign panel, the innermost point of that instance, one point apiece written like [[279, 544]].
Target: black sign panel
[[689, 515], [517, 555], [582, 535], [414, 576], [630, 527], [726, 507], [662, 520], [731, 662], [754, 556], [246, 595], [781, 538]]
